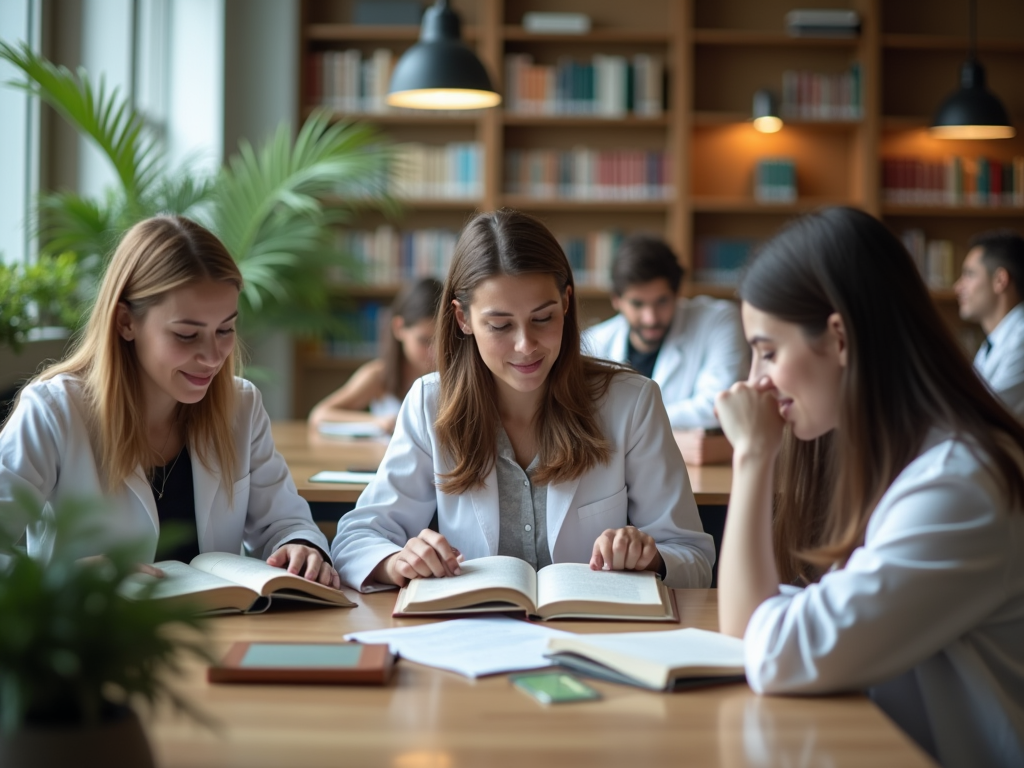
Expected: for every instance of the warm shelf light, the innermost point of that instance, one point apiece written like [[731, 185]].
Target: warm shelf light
[[972, 112], [439, 71], [766, 113]]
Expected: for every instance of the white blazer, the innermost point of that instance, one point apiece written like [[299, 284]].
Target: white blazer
[[1002, 366], [47, 449], [704, 353], [928, 614], [644, 484]]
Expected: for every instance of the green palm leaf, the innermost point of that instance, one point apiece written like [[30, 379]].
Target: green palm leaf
[[110, 121]]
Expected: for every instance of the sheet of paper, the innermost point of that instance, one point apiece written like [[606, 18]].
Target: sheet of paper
[[354, 478], [470, 647], [351, 429]]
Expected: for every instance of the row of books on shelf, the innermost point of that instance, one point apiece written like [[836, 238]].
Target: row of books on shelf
[[819, 96], [453, 170], [345, 81], [935, 259], [387, 256], [954, 181], [606, 86], [588, 174]]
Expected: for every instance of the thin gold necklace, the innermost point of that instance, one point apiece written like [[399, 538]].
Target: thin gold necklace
[[166, 474]]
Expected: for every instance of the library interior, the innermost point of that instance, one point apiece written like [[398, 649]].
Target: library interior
[[274, 273]]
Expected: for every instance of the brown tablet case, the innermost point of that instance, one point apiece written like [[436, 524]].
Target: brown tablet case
[[373, 668]]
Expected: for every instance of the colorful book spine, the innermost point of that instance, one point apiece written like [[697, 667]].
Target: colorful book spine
[[609, 86], [449, 171], [590, 256], [366, 326], [955, 182], [819, 96], [588, 174], [775, 180], [721, 260]]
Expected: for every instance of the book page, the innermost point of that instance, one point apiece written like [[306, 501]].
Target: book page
[[575, 582], [481, 574], [264, 579], [182, 581]]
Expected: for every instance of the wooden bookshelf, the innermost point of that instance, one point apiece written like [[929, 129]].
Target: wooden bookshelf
[[716, 53]]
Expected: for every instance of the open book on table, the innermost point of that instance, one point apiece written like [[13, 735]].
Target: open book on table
[[560, 591], [220, 582], [681, 658]]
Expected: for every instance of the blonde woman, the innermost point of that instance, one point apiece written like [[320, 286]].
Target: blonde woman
[[520, 444], [147, 413]]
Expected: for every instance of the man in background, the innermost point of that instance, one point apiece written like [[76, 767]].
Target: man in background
[[693, 348], [989, 292]]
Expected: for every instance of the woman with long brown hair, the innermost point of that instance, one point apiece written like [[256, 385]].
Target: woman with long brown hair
[[897, 485], [147, 413], [520, 445]]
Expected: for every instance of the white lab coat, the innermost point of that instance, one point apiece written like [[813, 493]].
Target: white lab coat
[[928, 614], [703, 353], [1002, 367], [644, 484], [47, 449]]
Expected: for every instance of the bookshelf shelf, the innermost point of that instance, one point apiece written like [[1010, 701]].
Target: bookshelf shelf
[[948, 43], [354, 33], [743, 37], [962, 211], [597, 36], [707, 118], [579, 121], [708, 204], [400, 118], [527, 203]]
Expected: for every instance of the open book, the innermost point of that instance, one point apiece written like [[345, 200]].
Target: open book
[[560, 591], [658, 660], [220, 582]]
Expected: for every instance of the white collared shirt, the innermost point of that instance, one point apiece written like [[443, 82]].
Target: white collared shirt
[[1000, 361], [704, 353], [928, 614]]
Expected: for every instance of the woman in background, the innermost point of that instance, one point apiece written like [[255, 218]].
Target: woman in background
[[375, 391], [146, 412], [899, 503], [521, 445]]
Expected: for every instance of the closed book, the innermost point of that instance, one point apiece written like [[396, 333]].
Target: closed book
[[320, 663]]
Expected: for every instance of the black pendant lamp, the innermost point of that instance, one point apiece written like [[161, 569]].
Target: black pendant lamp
[[973, 112], [439, 71]]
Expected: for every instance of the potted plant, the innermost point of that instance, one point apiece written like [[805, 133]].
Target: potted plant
[[269, 206], [75, 654]]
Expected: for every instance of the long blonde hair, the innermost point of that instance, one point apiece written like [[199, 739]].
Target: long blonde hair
[[571, 442], [154, 257]]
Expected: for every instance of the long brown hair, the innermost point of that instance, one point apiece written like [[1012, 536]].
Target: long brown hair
[[905, 375], [154, 257], [571, 442], [416, 303]]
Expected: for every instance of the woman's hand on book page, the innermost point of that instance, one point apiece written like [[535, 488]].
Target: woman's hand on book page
[[146, 568], [306, 562], [625, 549], [423, 556]]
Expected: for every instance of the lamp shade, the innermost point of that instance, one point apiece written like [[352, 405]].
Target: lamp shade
[[972, 112], [766, 112], [439, 71]]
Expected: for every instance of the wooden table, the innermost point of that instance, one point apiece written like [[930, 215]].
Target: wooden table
[[428, 718], [307, 452]]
